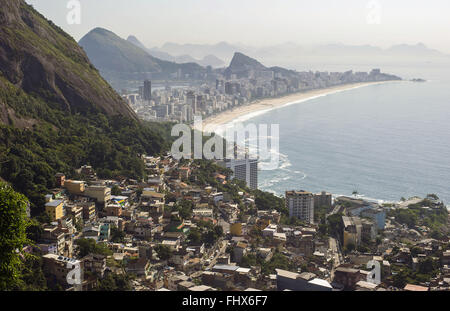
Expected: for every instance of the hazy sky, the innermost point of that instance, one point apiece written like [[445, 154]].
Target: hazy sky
[[262, 22]]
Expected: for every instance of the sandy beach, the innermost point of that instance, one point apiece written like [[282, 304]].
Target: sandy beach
[[238, 113]]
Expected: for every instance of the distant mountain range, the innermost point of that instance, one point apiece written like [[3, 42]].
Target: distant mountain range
[[291, 54], [207, 60], [222, 50], [123, 61], [120, 60]]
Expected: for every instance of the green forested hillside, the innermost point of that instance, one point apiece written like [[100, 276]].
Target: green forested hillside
[[56, 111], [57, 141]]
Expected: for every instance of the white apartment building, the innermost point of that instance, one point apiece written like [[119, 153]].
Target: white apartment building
[[244, 169], [301, 205]]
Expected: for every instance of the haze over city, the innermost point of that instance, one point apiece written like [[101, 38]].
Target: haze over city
[[262, 22]]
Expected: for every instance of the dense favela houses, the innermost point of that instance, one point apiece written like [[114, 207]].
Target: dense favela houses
[[183, 229]]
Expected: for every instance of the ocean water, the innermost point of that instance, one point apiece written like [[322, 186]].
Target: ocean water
[[385, 141]]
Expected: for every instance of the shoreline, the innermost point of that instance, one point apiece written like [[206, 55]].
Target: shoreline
[[258, 107]]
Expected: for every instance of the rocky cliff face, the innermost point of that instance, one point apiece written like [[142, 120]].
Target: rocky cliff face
[[241, 65], [57, 113], [241, 61], [39, 58]]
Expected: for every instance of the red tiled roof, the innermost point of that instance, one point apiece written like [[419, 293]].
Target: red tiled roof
[[415, 288]]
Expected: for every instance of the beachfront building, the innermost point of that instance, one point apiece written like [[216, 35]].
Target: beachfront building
[[323, 199], [301, 205], [243, 169]]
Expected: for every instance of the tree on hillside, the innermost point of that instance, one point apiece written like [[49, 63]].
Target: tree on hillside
[[164, 252], [13, 235], [90, 246], [185, 208], [335, 225], [115, 282], [195, 235], [115, 190]]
